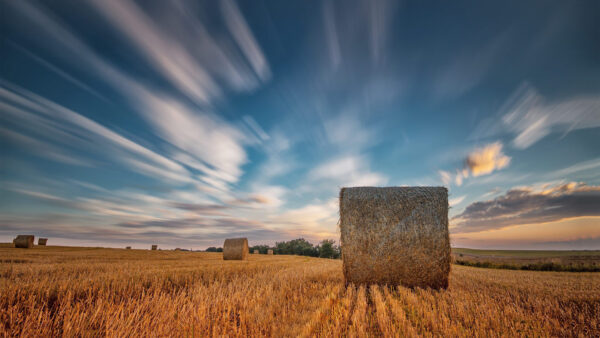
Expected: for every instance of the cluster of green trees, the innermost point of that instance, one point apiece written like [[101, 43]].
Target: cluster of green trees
[[302, 247], [325, 249]]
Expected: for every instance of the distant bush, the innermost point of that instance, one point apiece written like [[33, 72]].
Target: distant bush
[[302, 247], [533, 266], [262, 249], [213, 249]]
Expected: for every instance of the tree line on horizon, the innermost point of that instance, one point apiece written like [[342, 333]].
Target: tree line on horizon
[[301, 247]]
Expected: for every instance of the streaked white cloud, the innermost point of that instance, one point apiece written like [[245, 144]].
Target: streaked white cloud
[[331, 35], [379, 18], [456, 200], [346, 171], [466, 70], [314, 217], [168, 53], [243, 36], [43, 149], [278, 161], [49, 115], [256, 128], [445, 176], [205, 141], [589, 168], [215, 144], [346, 132], [271, 196], [62, 73], [529, 117]]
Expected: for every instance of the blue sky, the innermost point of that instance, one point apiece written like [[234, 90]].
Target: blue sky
[[184, 123]]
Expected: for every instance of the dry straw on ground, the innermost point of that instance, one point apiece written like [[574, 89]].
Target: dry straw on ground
[[395, 235], [84, 292], [235, 249], [24, 241], [256, 252], [154, 247], [270, 252], [42, 241]]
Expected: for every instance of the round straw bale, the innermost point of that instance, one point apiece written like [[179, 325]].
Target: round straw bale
[[270, 252], [24, 241], [154, 246], [395, 236], [256, 252], [42, 241], [235, 249]]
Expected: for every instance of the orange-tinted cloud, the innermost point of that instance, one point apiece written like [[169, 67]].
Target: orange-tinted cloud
[[484, 160]]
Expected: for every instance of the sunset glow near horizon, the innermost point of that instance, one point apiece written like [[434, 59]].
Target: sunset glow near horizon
[[184, 123]]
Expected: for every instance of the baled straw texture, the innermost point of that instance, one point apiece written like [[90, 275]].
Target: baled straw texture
[[24, 241], [235, 249], [256, 252], [395, 235], [42, 241], [154, 247], [270, 252]]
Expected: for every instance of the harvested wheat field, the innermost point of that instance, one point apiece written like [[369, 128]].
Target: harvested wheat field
[[117, 292]]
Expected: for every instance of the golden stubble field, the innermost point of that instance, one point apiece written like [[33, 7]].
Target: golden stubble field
[[51, 291]]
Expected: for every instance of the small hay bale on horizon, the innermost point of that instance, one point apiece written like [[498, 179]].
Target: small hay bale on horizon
[[42, 241], [270, 252], [24, 241], [256, 252], [235, 249], [395, 236], [154, 246]]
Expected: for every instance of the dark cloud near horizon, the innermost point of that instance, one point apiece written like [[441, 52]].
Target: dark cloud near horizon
[[524, 206], [185, 223], [202, 209], [219, 230], [192, 222]]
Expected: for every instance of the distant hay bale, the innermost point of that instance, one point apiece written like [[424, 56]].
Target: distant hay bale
[[177, 249], [128, 247], [154, 247], [42, 241], [395, 236], [235, 249], [270, 252], [24, 241], [256, 252]]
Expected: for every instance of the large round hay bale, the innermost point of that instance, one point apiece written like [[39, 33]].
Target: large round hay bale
[[270, 252], [24, 241], [395, 236], [154, 246], [235, 249], [42, 241], [256, 252]]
